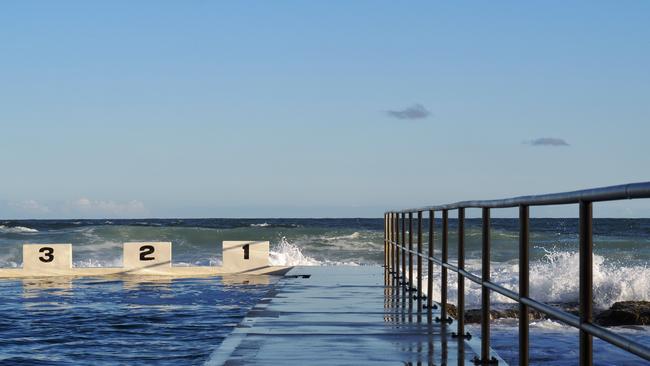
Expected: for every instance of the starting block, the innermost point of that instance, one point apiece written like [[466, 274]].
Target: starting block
[[47, 257], [145, 258], [150, 255], [245, 256]]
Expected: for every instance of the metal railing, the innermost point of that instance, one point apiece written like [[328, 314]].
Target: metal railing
[[396, 249]]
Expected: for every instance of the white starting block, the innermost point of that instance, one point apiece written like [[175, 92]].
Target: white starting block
[[145, 258], [244, 256], [54, 258], [149, 255]]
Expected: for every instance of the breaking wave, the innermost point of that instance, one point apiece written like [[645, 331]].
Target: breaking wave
[[354, 235], [16, 229], [288, 254], [553, 279]]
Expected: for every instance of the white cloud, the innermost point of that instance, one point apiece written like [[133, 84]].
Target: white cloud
[[87, 206], [30, 206]]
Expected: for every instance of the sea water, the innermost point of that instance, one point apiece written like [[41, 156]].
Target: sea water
[[73, 321]]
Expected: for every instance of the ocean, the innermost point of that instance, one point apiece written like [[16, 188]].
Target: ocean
[[167, 321]]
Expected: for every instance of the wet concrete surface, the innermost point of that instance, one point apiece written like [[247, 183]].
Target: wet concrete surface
[[342, 316]]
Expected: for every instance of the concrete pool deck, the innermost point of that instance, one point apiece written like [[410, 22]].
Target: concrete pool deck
[[341, 316]]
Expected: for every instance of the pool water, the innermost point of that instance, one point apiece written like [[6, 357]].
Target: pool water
[[121, 321]]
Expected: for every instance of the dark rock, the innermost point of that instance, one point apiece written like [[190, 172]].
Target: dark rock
[[621, 313], [573, 308], [474, 315], [625, 313]]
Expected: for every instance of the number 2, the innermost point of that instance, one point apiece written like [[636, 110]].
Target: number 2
[[48, 254], [145, 251]]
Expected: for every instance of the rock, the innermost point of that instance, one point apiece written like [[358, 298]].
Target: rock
[[625, 313], [474, 315], [452, 311], [621, 313]]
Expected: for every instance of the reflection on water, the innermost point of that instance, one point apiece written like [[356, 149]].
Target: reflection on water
[[38, 287], [428, 343], [138, 283], [555, 344], [243, 279], [121, 320], [46, 294]]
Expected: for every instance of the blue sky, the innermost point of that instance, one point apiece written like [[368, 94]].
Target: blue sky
[[280, 108]]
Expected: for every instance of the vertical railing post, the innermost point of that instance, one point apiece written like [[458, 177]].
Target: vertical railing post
[[391, 247], [386, 267], [586, 281], [443, 269], [523, 284], [386, 241], [395, 248], [430, 269], [404, 250], [396, 291], [390, 242], [391, 238], [420, 291], [461, 279], [485, 292], [410, 284]]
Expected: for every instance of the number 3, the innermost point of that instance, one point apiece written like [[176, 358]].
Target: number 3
[[145, 250], [48, 254]]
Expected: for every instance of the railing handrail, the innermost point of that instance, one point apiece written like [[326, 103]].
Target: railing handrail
[[393, 247], [610, 193]]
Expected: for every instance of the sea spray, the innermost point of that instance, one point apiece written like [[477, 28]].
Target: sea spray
[[553, 279], [287, 254], [94, 263]]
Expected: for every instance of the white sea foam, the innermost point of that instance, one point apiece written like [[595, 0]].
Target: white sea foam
[[214, 261], [16, 230], [555, 280], [97, 263], [552, 325], [9, 259], [288, 254], [354, 235], [211, 261]]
